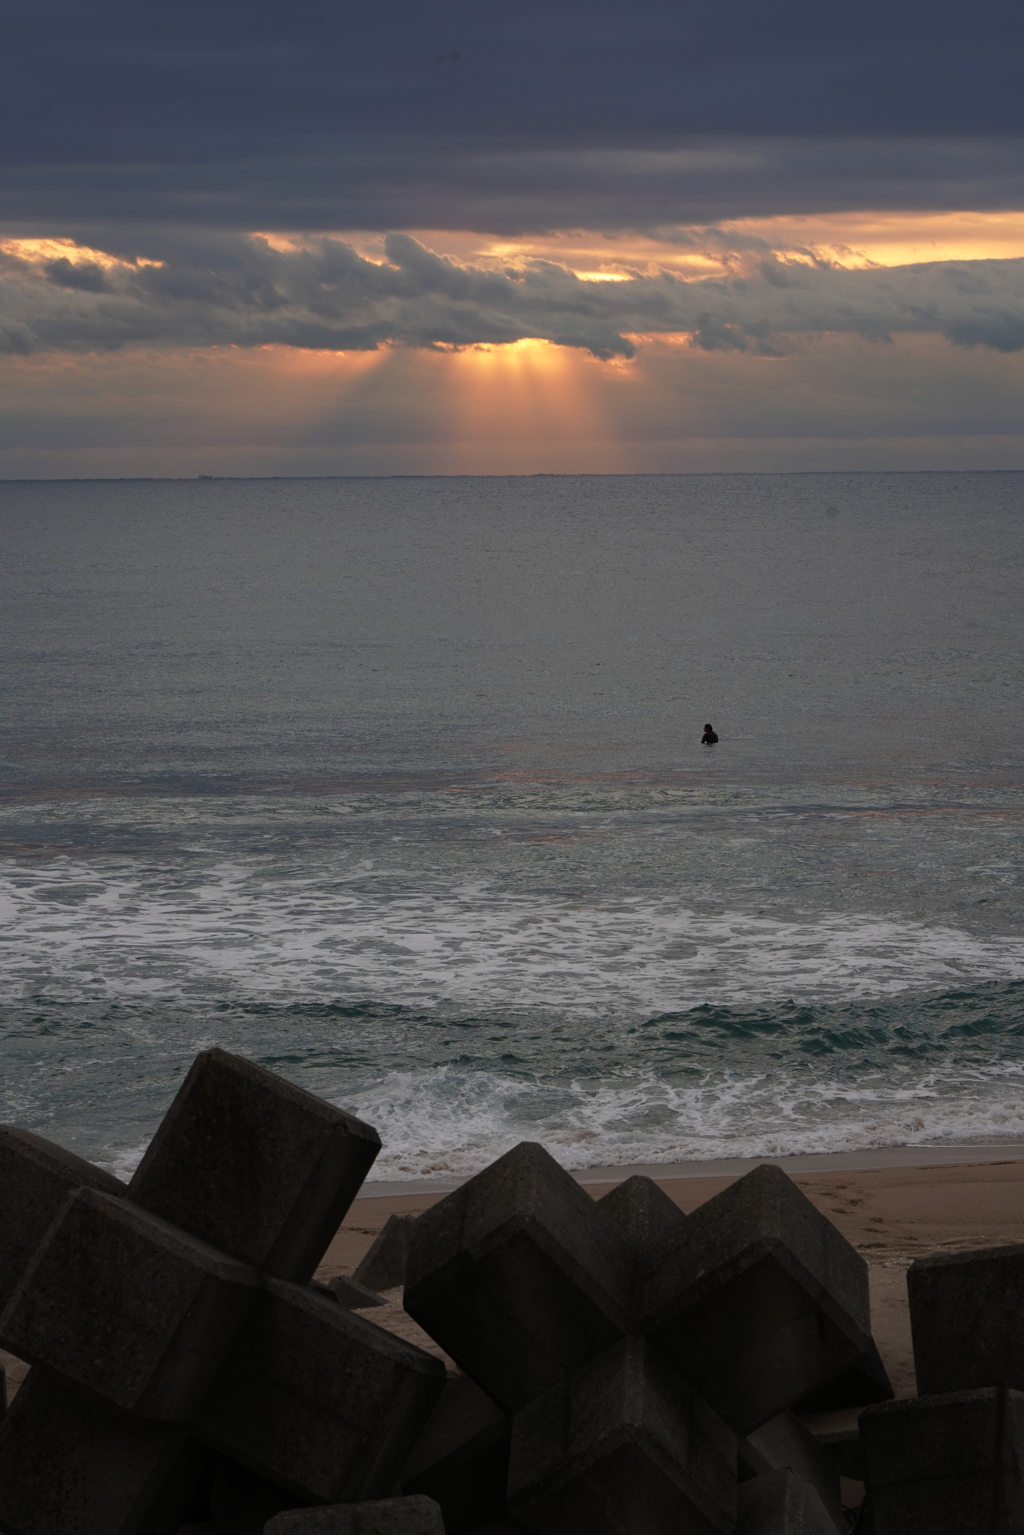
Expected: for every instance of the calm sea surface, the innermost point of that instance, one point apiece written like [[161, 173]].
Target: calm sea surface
[[397, 787]]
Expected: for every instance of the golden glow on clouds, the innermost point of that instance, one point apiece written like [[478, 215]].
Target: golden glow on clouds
[[899, 239], [39, 251], [843, 239]]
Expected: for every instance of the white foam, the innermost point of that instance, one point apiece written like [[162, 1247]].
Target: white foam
[[445, 1123], [248, 930]]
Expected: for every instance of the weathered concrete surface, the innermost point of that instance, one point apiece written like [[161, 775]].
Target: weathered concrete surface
[[946, 1465], [844, 1449], [383, 1267], [255, 1166], [126, 1308], [784, 1444], [69, 1466], [352, 1295], [967, 1319], [388, 1516], [781, 1503], [317, 1398], [519, 1276], [461, 1457], [757, 1299], [641, 1210], [860, 1385], [36, 1178], [623, 1445]]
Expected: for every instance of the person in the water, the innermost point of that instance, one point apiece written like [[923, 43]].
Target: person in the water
[[709, 738]]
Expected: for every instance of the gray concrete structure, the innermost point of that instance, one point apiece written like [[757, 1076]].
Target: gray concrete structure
[[519, 1276], [860, 1385], [757, 1299], [461, 1457], [946, 1465], [69, 1466], [781, 1503], [383, 1267], [622, 1445], [641, 1210], [318, 1399], [388, 1516], [135, 1310], [967, 1319], [350, 1294], [255, 1166], [36, 1178], [784, 1444], [126, 1308]]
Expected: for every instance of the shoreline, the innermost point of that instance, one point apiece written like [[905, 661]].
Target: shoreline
[[881, 1157]]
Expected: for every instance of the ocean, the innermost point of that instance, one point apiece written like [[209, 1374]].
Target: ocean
[[396, 786]]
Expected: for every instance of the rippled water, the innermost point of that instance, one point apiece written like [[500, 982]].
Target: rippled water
[[397, 786]]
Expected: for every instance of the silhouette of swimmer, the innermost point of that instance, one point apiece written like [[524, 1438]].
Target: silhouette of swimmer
[[709, 738]]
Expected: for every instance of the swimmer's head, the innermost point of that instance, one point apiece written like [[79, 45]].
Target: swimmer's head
[[709, 727]]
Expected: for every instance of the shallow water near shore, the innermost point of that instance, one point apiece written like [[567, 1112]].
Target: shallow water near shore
[[396, 786]]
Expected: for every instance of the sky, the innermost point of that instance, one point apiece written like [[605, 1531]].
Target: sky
[[705, 235]]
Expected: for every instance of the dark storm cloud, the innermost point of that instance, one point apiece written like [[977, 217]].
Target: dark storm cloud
[[233, 290], [309, 115]]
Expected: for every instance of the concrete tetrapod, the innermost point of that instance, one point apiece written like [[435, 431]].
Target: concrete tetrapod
[[946, 1465], [148, 1315], [36, 1178], [242, 1154], [388, 1516], [757, 1299], [967, 1319], [622, 1445], [461, 1457], [784, 1444], [519, 1276], [781, 1503]]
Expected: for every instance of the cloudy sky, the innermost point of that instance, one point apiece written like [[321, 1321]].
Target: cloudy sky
[[312, 238]]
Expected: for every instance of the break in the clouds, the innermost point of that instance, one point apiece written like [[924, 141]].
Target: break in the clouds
[[324, 296], [144, 143], [265, 115]]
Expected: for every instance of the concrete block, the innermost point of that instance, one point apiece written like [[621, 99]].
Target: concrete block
[[461, 1457], [388, 1516], [69, 1466], [36, 1178], [781, 1503], [352, 1295], [757, 1299], [254, 1165], [844, 1449], [126, 1308], [784, 1444], [383, 1267], [623, 1445], [641, 1210], [951, 1464], [860, 1385], [967, 1319], [519, 1276], [317, 1398]]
